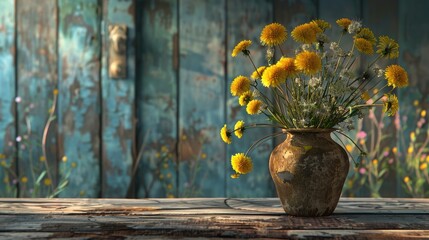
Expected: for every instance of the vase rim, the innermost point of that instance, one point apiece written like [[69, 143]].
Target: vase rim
[[309, 130]]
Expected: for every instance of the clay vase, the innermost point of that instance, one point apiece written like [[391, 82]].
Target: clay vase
[[309, 170]]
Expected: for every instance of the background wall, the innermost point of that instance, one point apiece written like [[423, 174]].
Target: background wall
[[63, 121]]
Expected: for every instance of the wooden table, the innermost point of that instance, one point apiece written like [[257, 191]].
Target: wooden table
[[359, 218]]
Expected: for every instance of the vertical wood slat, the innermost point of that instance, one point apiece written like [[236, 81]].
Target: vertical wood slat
[[156, 97], [7, 95], [245, 20], [79, 96], [36, 80], [118, 104], [201, 98]]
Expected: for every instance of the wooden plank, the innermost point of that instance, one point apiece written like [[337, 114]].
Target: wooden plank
[[157, 105], [414, 50], [118, 123], [239, 27], [209, 218], [201, 98], [36, 80], [7, 96], [79, 96]]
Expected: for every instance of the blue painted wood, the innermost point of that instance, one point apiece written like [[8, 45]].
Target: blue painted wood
[[245, 20], [79, 96], [7, 96], [156, 99], [118, 114], [36, 80], [201, 98]]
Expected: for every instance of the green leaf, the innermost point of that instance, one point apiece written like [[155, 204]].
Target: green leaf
[[42, 174]]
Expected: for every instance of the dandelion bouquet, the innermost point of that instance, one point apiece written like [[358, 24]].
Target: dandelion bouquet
[[317, 86]]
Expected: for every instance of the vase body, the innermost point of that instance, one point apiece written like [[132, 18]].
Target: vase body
[[309, 170]]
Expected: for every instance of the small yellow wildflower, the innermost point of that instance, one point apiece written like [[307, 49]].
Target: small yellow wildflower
[[423, 113], [241, 47], [254, 107], [165, 165], [170, 186], [258, 73], [364, 46], [416, 103], [366, 34], [73, 164], [273, 76], [344, 23], [375, 91], [64, 158], [245, 98], [362, 141], [306, 33], [42, 158], [161, 176], [406, 179], [169, 175], [240, 85], [47, 181], [423, 166], [375, 162], [390, 104], [387, 47], [203, 156], [413, 136], [241, 163], [410, 150], [273, 34], [164, 149], [235, 175], [365, 96], [3, 163], [308, 62], [24, 179], [239, 129], [55, 92], [349, 148], [396, 76], [2, 156], [427, 158], [225, 134], [394, 150], [288, 65]]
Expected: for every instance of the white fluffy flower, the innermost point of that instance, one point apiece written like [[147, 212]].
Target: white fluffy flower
[[354, 27]]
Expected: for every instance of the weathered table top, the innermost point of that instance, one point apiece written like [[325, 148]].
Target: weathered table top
[[359, 218]]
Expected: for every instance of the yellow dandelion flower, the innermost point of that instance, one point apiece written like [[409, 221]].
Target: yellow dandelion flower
[[273, 34], [349, 148], [245, 98], [273, 76], [390, 104], [365, 96], [344, 23], [388, 47], [241, 163], [306, 33], [322, 24], [258, 73], [423, 113], [308, 62], [241, 47], [364, 46], [24, 179], [366, 34], [423, 166], [406, 179], [225, 134], [47, 181], [288, 65], [239, 129], [240, 85], [254, 107], [396, 76]]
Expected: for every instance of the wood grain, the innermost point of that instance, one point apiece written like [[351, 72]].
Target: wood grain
[[36, 80], [209, 218], [201, 98], [7, 97], [118, 110], [246, 20], [157, 99], [79, 96]]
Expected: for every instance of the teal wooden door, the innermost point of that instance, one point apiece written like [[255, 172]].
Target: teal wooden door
[[67, 129]]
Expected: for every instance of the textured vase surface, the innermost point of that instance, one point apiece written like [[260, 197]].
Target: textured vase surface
[[309, 170]]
